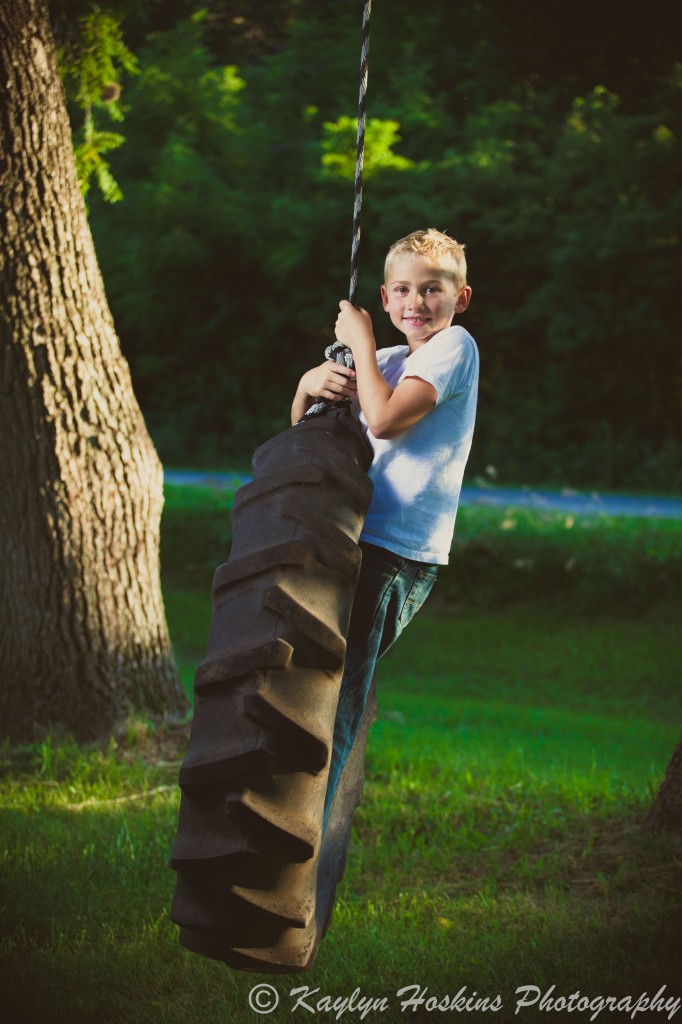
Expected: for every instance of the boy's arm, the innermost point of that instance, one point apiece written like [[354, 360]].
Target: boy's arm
[[329, 380], [388, 411]]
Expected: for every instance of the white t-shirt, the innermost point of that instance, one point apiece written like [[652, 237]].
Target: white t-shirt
[[417, 476]]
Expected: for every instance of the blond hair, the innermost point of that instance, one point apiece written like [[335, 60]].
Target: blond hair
[[445, 252]]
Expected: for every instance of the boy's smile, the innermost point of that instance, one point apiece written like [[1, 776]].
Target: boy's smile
[[421, 299]]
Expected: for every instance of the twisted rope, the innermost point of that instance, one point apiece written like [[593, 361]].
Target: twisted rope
[[337, 352], [360, 153]]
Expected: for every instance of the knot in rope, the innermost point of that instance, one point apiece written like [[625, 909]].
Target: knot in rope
[[338, 353]]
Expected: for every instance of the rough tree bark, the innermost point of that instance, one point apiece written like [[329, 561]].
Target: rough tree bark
[[83, 636], [666, 812]]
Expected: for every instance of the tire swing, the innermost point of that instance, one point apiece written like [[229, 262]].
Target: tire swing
[[256, 877]]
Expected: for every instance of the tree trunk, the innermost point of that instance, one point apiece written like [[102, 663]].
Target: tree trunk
[[83, 641], [666, 812]]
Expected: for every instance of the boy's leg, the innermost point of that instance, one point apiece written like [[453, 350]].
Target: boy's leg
[[390, 590]]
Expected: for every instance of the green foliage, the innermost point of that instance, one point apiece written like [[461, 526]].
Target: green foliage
[[176, 321], [92, 61], [557, 164], [339, 147], [90, 161]]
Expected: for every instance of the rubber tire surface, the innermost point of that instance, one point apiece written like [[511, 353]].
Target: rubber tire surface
[[248, 843]]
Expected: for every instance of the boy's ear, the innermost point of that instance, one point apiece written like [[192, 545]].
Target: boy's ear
[[384, 297], [463, 300]]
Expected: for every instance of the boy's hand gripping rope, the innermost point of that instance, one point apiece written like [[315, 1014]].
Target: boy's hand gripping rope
[[336, 351]]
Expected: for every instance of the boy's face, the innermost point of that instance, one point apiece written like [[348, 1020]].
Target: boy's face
[[420, 299]]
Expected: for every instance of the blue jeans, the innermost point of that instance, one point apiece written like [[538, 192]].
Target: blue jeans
[[389, 592]]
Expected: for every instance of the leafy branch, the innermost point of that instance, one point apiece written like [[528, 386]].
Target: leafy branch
[[92, 62]]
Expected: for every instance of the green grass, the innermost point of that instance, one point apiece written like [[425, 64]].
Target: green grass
[[499, 556], [499, 842]]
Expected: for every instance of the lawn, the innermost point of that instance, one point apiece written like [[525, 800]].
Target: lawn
[[499, 844]]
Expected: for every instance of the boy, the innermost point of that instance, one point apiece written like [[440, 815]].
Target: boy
[[417, 402]]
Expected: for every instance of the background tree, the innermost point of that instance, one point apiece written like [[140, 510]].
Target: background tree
[[84, 640], [666, 812]]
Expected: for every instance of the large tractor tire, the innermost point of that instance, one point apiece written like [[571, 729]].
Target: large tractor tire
[[255, 882]]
